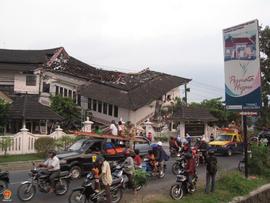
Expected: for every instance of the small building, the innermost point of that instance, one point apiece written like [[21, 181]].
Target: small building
[[26, 110], [192, 120]]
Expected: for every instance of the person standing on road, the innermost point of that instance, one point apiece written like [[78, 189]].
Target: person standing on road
[[190, 169], [211, 170], [129, 169], [106, 177]]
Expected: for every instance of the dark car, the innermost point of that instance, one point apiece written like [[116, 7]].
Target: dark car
[[80, 156]]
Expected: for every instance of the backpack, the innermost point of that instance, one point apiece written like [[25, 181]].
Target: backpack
[[212, 165]]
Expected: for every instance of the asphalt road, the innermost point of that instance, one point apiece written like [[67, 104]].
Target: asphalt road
[[155, 185]]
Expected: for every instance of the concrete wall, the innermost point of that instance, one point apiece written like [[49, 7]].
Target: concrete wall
[[21, 87]]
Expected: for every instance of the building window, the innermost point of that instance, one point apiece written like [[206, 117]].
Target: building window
[[46, 87], [79, 100], [94, 104], [61, 91], [105, 108], [89, 103], [65, 92], [110, 109], [115, 111], [69, 93], [99, 106], [56, 90], [31, 80]]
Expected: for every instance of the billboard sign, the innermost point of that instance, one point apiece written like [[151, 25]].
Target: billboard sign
[[242, 67]]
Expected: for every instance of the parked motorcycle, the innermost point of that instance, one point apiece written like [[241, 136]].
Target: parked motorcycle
[[4, 181], [179, 164], [39, 178], [182, 187], [86, 192]]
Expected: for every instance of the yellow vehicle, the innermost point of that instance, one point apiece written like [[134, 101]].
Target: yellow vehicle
[[227, 143]]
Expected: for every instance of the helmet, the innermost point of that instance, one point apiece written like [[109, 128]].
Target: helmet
[[159, 143], [100, 158]]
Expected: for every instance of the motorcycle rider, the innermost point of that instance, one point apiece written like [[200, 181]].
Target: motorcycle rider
[[161, 155], [190, 169], [53, 166], [202, 146]]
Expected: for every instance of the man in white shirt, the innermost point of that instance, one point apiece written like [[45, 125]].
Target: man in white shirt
[[53, 166], [113, 128]]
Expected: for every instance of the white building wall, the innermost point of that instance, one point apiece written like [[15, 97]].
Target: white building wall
[[173, 94], [142, 113], [21, 87]]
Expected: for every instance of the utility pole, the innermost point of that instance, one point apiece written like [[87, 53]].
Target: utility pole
[[186, 91]]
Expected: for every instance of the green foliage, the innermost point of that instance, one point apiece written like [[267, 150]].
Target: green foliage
[[64, 142], [44, 144], [140, 177], [5, 143], [259, 163], [3, 112], [20, 157], [264, 35], [66, 108], [217, 109], [162, 138]]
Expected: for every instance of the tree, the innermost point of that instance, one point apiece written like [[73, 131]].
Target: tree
[[66, 108], [3, 113], [217, 108], [264, 36], [5, 143]]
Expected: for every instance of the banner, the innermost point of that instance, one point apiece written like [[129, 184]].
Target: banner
[[242, 67]]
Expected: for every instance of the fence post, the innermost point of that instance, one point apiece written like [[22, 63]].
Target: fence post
[[87, 125], [24, 139], [58, 132]]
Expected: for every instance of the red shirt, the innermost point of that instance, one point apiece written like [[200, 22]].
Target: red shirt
[[191, 166], [138, 160]]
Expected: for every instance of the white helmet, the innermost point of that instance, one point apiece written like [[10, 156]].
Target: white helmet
[[159, 143]]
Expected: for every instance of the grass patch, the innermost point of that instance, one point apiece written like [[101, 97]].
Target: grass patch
[[228, 186], [20, 157]]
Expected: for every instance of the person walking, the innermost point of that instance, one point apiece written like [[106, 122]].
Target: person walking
[[129, 169], [106, 177], [211, 170]]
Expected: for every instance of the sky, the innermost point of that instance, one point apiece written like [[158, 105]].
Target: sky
[[178, 37]]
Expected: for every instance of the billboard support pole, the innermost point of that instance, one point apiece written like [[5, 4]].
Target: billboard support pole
[[245, 144]]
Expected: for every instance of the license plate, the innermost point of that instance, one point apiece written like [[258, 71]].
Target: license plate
[[94, 158]]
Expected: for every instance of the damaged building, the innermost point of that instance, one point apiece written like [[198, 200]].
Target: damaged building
[[106, 95]]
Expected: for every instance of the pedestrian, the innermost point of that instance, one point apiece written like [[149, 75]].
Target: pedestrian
[[190, 169], [129, 169], [212, 138], [137, 159], [106, 177], [211, 170], [150, 136], [113, 128]]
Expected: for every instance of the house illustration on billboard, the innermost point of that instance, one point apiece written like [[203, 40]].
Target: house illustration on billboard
[[242, 48]]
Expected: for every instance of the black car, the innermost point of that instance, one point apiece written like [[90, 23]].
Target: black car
[[80, 156]]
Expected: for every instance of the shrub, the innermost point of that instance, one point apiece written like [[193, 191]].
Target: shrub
[[44, 144], [64, 142], [140, 177], [5, 143], [259, 163]]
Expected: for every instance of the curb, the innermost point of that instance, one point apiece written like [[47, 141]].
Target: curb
[[18, 165], [251, 194]]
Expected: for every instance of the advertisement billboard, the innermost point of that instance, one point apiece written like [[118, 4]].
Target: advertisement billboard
[[242, 67]]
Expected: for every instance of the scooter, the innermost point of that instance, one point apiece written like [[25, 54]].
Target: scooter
[[182, 187], [160, 169], [4, 181]]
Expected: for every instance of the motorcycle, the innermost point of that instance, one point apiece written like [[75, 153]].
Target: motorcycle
[[119, 172], [182, 187], [4, 181], [87, 193], [179, 164], [160, 169], [39, 178]]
